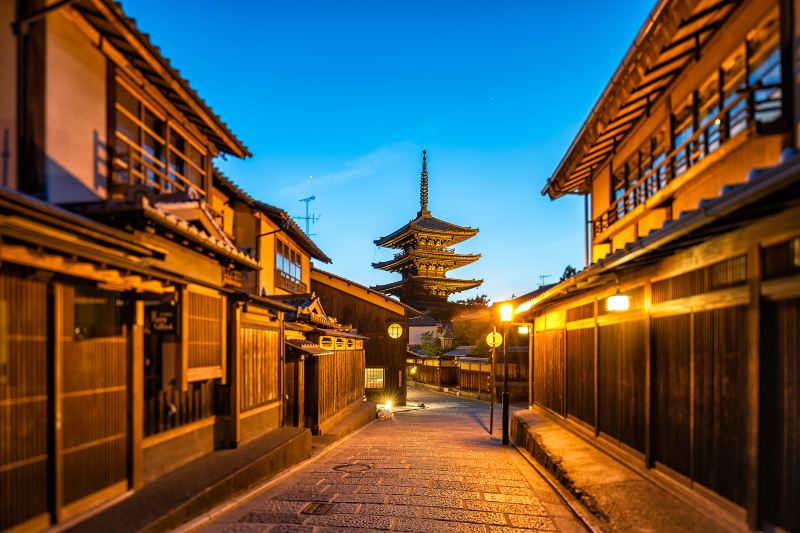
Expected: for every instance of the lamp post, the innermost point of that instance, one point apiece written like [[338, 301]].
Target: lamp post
[[506, 314]]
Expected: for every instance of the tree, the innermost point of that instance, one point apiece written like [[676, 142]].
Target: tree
[[430, 345], [569, 271]]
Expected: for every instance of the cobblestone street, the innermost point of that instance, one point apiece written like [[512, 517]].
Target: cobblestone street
[[428, 470]]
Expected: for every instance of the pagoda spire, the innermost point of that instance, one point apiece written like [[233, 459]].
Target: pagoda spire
[[423, 187]]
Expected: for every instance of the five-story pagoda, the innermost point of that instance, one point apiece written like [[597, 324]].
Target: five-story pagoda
[[426, 257]]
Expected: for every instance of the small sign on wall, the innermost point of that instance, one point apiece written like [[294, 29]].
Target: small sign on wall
[[163, 319]]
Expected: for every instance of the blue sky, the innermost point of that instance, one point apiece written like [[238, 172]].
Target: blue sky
[[337, 99]]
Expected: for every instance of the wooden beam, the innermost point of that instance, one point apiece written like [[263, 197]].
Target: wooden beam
[[236, 375], [136, 395], [596, 363], [56, 341], [649, 388], [752, 503]]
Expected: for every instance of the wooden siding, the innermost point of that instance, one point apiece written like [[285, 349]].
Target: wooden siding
[[720, 394], [728, 273], [372, 321], [621, 381], [549, 366], [94, 395], [23, 399], [339, 381], [671, 349], [260, 357], [781, 411], [580, 373]]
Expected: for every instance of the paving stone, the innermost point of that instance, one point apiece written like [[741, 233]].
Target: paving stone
[[429, 471]]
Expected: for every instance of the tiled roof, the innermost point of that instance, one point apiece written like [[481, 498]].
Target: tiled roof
[[424, 320], [106, 16], [428, 223]]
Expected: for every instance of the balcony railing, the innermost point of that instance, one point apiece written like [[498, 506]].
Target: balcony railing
[[759, 104], [288, 283], [133, 166]]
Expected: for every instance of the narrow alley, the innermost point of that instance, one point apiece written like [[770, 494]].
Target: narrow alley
[[431, 469]]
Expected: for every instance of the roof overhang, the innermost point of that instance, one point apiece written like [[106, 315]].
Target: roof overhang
[[766, 192], [118, 36], [362, 292], [672, 37]]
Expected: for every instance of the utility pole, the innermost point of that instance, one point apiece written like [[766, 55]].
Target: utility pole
[[309, 218]]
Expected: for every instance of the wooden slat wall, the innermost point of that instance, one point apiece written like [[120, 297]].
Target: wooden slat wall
[[205, 330], [23, 399], [260, 360], [340, 381], [781, 412], [671, 348], [608, 380], [549, 361], [94, 399], [632, 384], [474, 380], [720, 382], [580, 374]]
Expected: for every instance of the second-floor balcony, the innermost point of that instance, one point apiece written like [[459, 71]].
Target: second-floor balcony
[[288, 283], [753, 110]]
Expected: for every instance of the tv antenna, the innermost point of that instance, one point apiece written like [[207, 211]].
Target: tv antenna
[[310, 219], [542, 277]]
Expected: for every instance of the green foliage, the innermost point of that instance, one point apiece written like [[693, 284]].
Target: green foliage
[[472, 333], [430, 345], [569, 271], [450, 310]]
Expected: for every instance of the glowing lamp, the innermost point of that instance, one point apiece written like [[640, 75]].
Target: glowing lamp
[[618, 302], [522, 330], [506, 312], [388, 405], [413, 370], [395, 330]]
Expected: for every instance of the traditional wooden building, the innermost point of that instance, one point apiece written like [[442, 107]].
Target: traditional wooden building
[[676, 348], [383, 320], [140, 327], [426, 256], [325, 365]]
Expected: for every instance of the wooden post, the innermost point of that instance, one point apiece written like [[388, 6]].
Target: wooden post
[[136, 395], [57, 377], [692, 393], [648, 377], [236, 376], [752, 503], [182, 372], [282, 369], [596, 367], [530, 366]]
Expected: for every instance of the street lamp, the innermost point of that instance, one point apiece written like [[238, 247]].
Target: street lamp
[[506, 315]]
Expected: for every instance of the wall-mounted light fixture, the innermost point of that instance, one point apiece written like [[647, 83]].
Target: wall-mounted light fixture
[[618, 302]]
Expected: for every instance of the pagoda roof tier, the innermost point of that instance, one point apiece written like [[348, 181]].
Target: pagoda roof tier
[[403, 260], [426, 224], [431, 285]]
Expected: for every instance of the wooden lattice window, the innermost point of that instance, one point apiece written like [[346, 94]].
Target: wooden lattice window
[[374, 378], [203, 335]]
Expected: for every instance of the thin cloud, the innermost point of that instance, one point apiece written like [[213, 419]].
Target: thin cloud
[[359, 168]]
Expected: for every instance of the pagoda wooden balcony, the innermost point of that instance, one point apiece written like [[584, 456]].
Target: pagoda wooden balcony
[[288, 283], [742, 114]]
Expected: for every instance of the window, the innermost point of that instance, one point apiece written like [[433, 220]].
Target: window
[[374, 378], [764, 67], [288, 263], [97, 313], [682, 131], [707, 112], [150, 150]]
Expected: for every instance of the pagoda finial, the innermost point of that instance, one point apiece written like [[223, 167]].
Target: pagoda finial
[[423, 186]]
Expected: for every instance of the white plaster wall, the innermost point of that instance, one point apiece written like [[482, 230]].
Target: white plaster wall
[[75, 115], [416, 332], [8, 96]]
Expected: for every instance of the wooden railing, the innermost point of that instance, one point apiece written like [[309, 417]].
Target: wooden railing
[[748, 108], [288, 283], [133, 166]]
